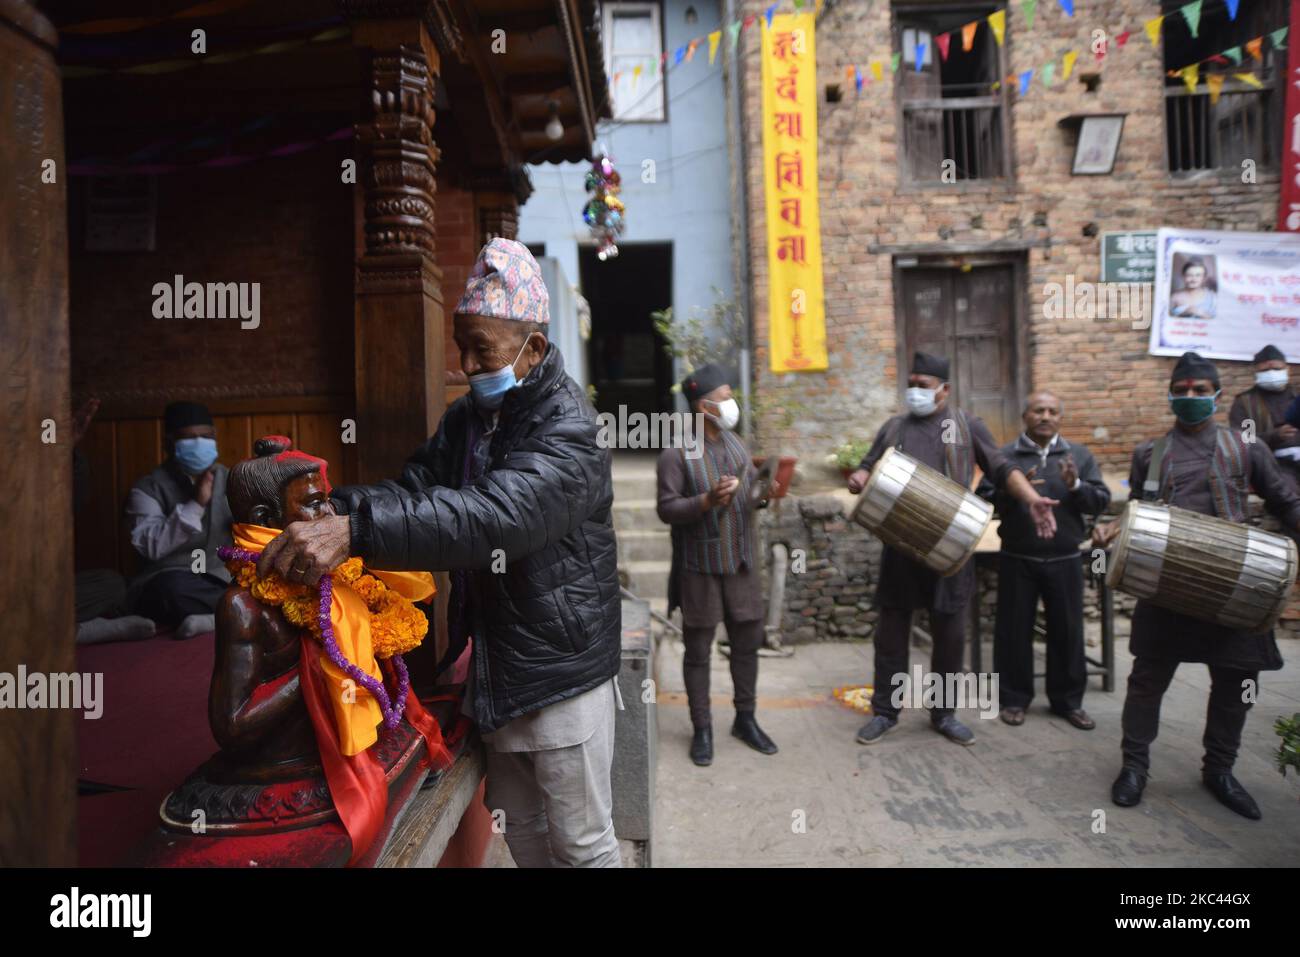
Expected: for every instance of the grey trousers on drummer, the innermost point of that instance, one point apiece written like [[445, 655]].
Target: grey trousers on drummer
[[558, 803]]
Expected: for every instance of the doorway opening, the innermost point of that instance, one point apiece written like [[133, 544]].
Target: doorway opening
[[629, 362], [969, 311]]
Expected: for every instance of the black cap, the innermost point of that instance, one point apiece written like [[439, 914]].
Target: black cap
[[1191, 365], [925, 364], [1269, 353], [178, 415], [704, 380]]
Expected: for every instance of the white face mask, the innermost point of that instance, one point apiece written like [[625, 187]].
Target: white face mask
[[1274, 380], [728, 414], [921, 401]]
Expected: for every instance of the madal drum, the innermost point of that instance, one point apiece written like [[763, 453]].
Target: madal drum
[[922, 513]]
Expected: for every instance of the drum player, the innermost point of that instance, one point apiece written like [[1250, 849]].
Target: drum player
[[1207, 468], [952, 442]]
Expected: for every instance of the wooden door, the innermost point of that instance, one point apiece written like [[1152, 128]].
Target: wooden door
[[968, 316]]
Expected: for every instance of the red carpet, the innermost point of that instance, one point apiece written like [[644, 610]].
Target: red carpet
[[152, 733]]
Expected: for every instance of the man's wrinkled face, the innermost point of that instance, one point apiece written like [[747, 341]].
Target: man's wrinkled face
[[488, 344], [305, 500], [1190, 387], [1043, 416]]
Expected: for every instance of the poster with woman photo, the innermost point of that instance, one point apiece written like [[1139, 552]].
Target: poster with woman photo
[[1225, 294]]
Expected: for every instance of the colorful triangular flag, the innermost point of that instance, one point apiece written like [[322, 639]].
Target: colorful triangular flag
[[714, 39], [768, 14], [735, 33], [1027, 9], [998, 21], [636, 76], [857, 79], [943, 40], [1067, 6], [1254, 48], [679, 55], [1232, 9], [1192, 14], [894, 61], [1215, 82], [1249, 79], [1025, 79], [1233, 54], [968, 35], [1067, 64], [1276, 38], [1152, 27], [920, 56], [1191, 76], [1049, 71], [1121, 39], [877, 70]]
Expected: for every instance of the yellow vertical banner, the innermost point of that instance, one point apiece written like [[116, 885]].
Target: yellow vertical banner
[[797, 327]]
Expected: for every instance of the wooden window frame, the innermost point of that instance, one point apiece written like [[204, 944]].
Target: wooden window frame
[[608, 11]]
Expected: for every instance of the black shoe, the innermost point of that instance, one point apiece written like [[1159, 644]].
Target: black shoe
[[953, 730], [702, 746], [747, 729], [1231, 794], [876, 728], [1127, 789]]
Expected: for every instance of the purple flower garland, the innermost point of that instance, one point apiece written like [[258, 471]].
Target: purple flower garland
[[392, 714]]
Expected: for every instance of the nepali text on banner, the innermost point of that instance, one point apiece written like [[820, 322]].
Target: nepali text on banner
[[797, 328], [1226, 294]]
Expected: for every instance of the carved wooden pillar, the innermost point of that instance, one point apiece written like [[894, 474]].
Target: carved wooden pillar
[[38, 746], [498, 216], [399, 301]]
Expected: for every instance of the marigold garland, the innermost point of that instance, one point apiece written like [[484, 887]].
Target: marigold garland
[[396, 625]]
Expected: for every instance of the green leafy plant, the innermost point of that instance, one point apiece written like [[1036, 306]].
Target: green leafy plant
[[1288, 752], [711, 334], [847, 455]]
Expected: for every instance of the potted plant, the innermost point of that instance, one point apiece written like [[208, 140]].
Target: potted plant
[[1288, 752], [847, 455]]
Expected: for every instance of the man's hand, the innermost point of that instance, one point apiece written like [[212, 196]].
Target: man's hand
[[1069, 472], [203, 487], [1286, 432], [720, 495], [1044, 517], [858, 480], [305, 551], [1103, 533]]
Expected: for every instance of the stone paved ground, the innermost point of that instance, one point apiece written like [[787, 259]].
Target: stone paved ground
[[1020, 796]]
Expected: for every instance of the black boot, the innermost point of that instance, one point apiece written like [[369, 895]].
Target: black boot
[[702, 745], [1231, 794], [747, 729], [1127, 789]]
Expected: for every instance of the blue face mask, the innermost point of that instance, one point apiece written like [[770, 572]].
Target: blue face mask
[[489, 388], [1193, 409], [195, 456]]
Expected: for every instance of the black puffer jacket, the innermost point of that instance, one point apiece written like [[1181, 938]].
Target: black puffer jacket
[[549, 626]]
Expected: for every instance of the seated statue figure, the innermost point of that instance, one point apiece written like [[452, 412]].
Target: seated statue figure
[[292, 723]]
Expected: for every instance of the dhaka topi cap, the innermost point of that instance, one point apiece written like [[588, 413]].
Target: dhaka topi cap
[[1192, 365], [1268, 353], [703, 381], [925, 364], [180, 415], [506, 283]]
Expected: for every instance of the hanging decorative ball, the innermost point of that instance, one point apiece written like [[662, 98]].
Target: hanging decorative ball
[[604, 213]]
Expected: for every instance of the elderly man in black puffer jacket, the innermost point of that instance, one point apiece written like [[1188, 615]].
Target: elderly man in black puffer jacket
[[513, 495]]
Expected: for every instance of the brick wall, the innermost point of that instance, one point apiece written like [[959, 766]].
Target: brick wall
[[284, 223], [1114, 391]]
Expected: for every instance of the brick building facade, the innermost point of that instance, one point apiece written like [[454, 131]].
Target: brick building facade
[[995, 239]]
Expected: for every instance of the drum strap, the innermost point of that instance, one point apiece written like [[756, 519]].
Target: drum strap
[[1259, 412], [1228, 474], [1153, 488], [717, 544]]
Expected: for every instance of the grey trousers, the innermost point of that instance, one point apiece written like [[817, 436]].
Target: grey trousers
[[559, 803]]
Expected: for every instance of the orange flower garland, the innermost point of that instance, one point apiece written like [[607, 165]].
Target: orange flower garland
[[396, 625]]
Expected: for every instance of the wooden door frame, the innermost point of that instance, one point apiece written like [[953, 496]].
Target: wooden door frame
[[1019, 263]]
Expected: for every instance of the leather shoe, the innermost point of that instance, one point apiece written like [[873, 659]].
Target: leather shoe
[[876, 728], [1231, 794], [702, 746], [1012, 716], [953, 730], [1079, 718], [747, 729], [1127, 789]]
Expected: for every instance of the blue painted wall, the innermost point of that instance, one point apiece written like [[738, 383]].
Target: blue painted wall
[[688, 204]]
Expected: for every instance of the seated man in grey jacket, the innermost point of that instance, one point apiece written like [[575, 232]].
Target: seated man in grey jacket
[[177, 518], [513, 495]]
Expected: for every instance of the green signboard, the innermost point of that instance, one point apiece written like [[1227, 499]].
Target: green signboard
[[1128, 257]]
